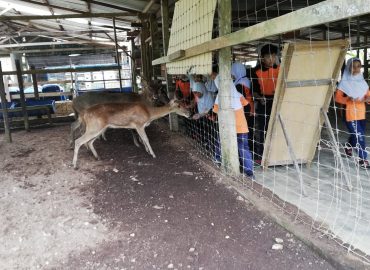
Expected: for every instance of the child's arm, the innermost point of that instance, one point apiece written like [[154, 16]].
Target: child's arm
[[340, 97]]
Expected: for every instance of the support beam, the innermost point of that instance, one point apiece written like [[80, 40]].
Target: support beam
[[22, 97], [66, 50], [366, 62], [156, 70], [173, 119], [226, 115], [8, 135], [111, 6], [148, 6], [34, 83], [4, 46], [63, 70], [321, 13], [67, 16], [145, 54], [117, 54]]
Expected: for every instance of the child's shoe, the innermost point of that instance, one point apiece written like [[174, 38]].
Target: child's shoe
[[364, 164], [348, 150]]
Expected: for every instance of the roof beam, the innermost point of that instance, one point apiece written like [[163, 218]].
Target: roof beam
[[67, 16], [148, 6], [52, 13], [60, 50], [111, 6], [5, 46]]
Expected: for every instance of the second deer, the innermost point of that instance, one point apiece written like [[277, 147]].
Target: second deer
[[122, 115]]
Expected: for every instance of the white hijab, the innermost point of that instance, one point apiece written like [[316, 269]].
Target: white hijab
[[353, 86], [239, 72], [235, 95]]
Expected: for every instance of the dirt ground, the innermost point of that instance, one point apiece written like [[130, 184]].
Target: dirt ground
[[128, 210]]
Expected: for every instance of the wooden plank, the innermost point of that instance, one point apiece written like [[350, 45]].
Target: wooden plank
[[8, 134], [330, 93], [226, 115], [279, 93], [300, 106], [176, 55], [321, 13]]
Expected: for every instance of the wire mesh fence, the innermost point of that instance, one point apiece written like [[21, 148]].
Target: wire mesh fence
[[322, 112]]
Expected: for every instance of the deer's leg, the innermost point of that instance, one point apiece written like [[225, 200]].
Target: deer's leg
[[91, 147], [84, 139], [145, 140], [103, 136], [74, 126], [135, 139]]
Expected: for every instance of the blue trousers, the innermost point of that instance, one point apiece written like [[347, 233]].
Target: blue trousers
[[245, 157], [357, 136]]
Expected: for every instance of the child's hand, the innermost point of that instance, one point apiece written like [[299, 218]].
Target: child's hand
[[196, 116]]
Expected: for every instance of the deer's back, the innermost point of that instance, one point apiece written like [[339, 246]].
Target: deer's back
[[118, 114], [85, 101]]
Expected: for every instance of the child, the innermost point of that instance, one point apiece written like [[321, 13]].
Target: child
[[203, 98], [182, 90], [243, 86], [353, 92], [237, 103], [264, 79]]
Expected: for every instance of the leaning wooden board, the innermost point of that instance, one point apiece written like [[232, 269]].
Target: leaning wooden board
[[307, 79]]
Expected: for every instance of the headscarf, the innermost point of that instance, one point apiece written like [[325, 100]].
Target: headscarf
[[239, 72], [353, 86], [235, 95]]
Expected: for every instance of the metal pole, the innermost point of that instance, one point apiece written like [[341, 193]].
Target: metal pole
[[21, 92], [8, 135], [133, 67], [117, 54]]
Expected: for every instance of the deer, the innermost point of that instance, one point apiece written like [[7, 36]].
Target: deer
[[152, 94], [137, 116]]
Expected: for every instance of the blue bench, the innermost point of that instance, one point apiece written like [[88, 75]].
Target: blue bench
[[33, 107]]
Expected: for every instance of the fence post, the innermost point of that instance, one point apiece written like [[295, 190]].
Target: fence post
[[226, 116], [8, 135], [34, 81], [174, 120], [22, 97]]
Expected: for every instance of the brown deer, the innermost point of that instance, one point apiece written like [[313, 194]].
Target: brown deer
[[122, 115], [152, 94]]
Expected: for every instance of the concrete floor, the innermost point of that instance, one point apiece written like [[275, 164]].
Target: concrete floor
[[328, 201]]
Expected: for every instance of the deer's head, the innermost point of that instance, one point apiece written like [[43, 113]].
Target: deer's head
[[179, 107]]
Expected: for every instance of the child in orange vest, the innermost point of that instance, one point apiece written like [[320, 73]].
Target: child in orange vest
[[353, 92], [264, 80]]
